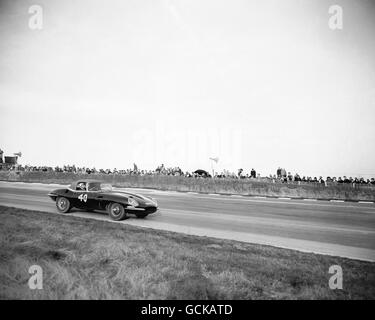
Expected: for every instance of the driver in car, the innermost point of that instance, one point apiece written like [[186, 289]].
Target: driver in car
[[81, 186]]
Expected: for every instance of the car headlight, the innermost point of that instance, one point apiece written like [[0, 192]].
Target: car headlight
[[152, 202], [132, 202]]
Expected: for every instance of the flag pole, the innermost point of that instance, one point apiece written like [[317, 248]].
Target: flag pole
[[212, 165]]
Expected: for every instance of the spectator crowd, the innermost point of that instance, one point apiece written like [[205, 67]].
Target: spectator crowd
[[281, 174]]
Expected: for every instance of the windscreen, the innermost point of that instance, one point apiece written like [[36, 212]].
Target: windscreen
[[94, 186], [106, 187]]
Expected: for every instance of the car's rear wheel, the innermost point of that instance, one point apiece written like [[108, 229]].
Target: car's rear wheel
[[117, 212], [63, 205]]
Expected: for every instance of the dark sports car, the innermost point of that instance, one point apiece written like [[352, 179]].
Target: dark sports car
[[96, 195]]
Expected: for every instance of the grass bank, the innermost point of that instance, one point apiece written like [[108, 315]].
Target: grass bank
[[89, 259], [225, 186]]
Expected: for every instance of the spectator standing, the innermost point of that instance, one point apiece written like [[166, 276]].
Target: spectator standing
[[240, 173], [283, 173], [253, 173], [278, 173]]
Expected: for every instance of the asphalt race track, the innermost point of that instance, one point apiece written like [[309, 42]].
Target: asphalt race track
[[338, 229]]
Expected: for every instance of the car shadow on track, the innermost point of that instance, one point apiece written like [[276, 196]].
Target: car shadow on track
[[103, 214]]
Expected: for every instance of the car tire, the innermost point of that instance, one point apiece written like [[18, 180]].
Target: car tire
[[117, 212], [63, 205], [141, 215]]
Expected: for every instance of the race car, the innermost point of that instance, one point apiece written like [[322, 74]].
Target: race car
[[95, 195]]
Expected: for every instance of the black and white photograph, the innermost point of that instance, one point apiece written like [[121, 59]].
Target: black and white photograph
[[204, 152]]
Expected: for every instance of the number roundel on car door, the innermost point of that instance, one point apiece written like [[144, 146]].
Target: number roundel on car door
[[83, 197]]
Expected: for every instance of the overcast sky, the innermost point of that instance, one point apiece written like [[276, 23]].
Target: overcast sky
[[256, 83]]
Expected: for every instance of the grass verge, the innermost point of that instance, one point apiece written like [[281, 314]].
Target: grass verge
[[89, 259]]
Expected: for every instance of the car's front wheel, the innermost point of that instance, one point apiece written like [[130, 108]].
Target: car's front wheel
[[63, 205], [117, 212]]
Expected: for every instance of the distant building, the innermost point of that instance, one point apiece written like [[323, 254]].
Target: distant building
[[11, 160], [7, 162]]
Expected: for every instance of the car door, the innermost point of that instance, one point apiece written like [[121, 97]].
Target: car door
[[94, 195], [80, 196], [88, 199], [93, 199]]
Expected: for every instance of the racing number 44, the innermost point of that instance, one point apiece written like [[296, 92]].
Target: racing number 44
[[83, 197]]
